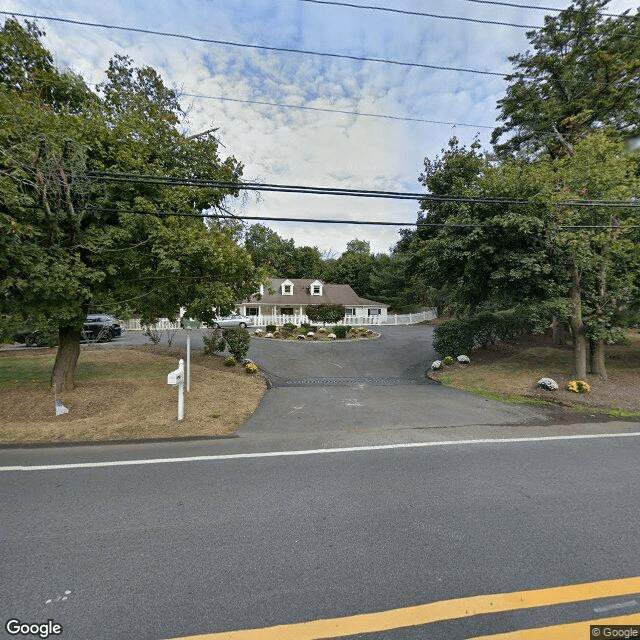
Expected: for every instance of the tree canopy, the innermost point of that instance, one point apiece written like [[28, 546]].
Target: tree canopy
[[582, 75], [72, 239]]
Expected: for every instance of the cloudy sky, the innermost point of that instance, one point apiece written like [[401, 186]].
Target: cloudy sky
[[223, 84]]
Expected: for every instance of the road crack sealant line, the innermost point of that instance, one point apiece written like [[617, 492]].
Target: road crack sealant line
[[307, 452]]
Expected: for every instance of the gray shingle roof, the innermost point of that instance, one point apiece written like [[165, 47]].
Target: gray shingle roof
[[331, 294]]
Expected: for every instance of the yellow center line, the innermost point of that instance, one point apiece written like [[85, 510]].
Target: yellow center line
[[431, 612], [572, 631]]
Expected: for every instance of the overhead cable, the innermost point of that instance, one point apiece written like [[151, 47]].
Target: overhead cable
[[227, 43], [341, 111], [337, 191], [419, 13], [342, 56], [417, 223], [532, 6]]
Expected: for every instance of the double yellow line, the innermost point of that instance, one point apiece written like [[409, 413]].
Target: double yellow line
[[451, 610]]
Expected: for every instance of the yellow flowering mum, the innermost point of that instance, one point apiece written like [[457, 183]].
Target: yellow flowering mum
[[579, 386], [251, 368]]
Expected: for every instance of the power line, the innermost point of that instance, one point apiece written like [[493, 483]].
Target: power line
[[336, 191], [341, 56], [419, 13], [277, 49], [531, 6], [418, 223], [342, 111]]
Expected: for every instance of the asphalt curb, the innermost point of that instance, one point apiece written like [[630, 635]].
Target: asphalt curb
[[119, 441]]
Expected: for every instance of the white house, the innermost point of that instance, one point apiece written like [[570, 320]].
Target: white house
[[291, 296]]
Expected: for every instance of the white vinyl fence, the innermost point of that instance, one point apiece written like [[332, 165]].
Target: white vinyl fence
[[354, 321]]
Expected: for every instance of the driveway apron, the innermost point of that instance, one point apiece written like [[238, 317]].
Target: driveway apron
[[355, 393]]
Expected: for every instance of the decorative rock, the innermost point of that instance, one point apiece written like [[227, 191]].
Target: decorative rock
[[548, 384], [258, 332], [437, 364], [269, 335], [310, 334], [322, 330], [301, 337], [463, 360], [332, 336]]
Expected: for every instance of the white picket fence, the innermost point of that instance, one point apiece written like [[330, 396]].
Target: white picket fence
[[354, 321]]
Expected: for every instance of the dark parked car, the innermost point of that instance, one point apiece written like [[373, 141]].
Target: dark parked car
[[35, 338], [101, 327]]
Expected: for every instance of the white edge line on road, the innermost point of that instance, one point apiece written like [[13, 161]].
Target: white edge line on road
[[308, 452]]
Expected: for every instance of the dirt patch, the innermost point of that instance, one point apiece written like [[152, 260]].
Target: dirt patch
[[513, 369], [122, 394]]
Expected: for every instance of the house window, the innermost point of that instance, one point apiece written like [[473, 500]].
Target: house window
[[349, 311], [315, 290], [253, 311], [374, 312], [287, 311]]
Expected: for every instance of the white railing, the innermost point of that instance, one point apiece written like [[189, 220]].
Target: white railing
[[279, 320], [161, 324], [354, 321]]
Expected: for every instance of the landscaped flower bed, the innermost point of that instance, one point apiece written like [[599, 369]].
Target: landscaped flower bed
[[309, 333]]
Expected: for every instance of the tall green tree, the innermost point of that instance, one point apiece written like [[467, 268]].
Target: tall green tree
[[280, 256], [497, 256], [353, 267], [71, 244], [581, 75]]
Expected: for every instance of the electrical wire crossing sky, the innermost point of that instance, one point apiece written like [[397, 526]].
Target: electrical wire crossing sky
[[352, 95]]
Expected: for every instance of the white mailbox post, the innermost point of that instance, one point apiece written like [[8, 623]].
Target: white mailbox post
[[177, 378], [189, 324]]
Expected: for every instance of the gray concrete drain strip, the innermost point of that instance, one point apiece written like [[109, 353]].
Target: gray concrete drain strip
[[378, 381]]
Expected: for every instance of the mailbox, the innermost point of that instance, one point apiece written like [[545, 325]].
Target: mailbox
[[177, 378]]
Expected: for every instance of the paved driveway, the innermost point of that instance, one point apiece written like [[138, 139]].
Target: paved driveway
[[369, 392]]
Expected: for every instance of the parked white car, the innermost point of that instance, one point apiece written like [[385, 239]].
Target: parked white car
[[233, 320]]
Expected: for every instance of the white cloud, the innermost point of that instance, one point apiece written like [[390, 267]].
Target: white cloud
[[302, 146]]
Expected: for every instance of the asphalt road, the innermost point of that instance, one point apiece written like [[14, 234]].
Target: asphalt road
[[333, 394], [176, 549], [301, 517]]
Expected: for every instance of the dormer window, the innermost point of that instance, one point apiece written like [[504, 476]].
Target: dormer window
[[287, 288], [315, 288]]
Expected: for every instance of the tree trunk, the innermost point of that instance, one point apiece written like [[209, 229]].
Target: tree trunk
[[598, 367], [558, 330], [577, 327], [62, 377]]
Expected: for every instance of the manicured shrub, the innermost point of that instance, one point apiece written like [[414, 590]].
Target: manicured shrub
[[340, 331], [271, 328], [230, 362], [325, 312], [289, 325], [238, 341], [213, 341], [461, 335], [448, 361]]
